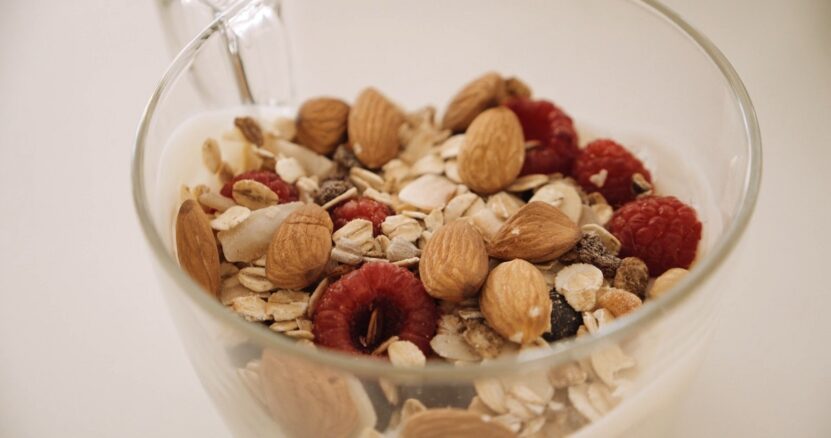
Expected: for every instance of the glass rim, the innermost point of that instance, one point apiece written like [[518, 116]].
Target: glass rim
[[560, 352]]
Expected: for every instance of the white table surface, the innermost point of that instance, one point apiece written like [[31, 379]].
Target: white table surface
[[86, 344]]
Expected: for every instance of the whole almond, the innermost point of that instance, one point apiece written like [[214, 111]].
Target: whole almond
[[373, 128], [196, 246], [296, 391], [456, 423], [493, 151], [321, 124], [454, 263], [515, 301], [538, 232], [299, 250], [482, 93]]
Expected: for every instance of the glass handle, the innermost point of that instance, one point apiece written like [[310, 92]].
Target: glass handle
[[255, 45]]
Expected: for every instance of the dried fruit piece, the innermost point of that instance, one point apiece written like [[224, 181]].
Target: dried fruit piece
[[537, 232], [397, 298], [196, 246], [515, 301], [608, 239], [443, 275], [564, 319], [607, 167], [373, 128], [457, 423], [491, 157], [662, 231], [300, 248], [360, 208], [618, 301], [665, 281], [250, 129], [474, 98], [285, 191], [544, 122], [321, 124], [591, 250], [633, 276], [331, 189]]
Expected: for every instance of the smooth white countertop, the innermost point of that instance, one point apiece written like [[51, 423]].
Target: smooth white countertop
[[87, 347]]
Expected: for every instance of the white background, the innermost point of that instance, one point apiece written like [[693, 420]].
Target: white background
[[87, 347]]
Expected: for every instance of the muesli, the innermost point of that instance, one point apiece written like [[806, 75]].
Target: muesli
[[377, 232]]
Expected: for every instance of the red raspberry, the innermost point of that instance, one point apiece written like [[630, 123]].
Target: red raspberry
[[403, 309], [546, 123], [360, 208], [660, 230], [285, 191], [620, 166]]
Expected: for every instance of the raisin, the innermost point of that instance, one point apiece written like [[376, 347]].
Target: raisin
[[590, 249], [564, 319]]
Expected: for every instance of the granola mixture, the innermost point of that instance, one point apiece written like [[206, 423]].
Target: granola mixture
[[492, 232]]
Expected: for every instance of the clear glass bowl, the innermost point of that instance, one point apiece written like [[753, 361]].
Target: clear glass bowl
[[630, 70]]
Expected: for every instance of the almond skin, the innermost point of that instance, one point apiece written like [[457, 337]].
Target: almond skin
[[300, 248], [321, 124], [196, 246], [456, 423], [515, 301], [454, 262], [373, 128], [538, 232], [482, 93], [493, 151]]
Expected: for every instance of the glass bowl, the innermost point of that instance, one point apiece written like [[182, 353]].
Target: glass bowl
[[629, 70]]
